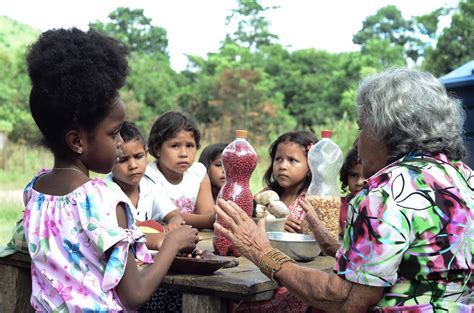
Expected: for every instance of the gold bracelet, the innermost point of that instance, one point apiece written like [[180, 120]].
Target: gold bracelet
[[272, 261]]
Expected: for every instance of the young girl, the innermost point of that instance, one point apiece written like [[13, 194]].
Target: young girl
[[173, 141], [211, 157], [147, 202], [351, 177], [81, 235], [289, 174]]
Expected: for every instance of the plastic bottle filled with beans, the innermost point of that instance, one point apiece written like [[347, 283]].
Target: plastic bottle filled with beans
[[325, 160], [239, 160]]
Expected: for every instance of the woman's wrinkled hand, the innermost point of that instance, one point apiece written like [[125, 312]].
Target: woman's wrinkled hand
[[292, 225], [329, 245], [249, 238], [184, 237], [310, 214]]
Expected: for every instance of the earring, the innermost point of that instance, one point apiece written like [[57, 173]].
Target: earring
[[79, 150]]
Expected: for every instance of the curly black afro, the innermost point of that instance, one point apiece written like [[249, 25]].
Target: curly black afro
[[75, 79]]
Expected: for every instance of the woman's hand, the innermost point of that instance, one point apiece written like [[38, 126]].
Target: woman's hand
[[183, 237], [292, 225], [251, 240], [310, 214], [323, 236]]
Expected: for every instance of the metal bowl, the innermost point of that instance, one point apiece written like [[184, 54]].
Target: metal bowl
[[273, 225], [300, 247]]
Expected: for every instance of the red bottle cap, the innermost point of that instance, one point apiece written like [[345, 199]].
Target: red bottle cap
[[241, 133], [326, 134]]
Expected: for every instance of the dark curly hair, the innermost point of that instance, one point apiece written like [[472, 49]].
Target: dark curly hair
[[130, 131], [167, 126], [75, 78], [303, 138], [211, 152], [351, 159]]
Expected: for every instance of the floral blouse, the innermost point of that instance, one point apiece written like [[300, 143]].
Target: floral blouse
[[411, 231], [78, 251], [296, 212]]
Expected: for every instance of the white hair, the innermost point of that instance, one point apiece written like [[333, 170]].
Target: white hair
[[410, 111]]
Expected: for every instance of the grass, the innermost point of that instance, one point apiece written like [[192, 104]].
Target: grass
[[10, 212]]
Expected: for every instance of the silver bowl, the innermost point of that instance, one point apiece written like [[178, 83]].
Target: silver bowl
[[273, 225], [300, 247]]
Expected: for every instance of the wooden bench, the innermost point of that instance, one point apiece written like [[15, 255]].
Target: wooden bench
[[15, 283]]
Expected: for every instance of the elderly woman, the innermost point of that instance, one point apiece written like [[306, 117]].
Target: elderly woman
[[408, 240]]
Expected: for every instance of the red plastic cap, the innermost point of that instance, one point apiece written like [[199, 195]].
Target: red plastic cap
[[326, 134]]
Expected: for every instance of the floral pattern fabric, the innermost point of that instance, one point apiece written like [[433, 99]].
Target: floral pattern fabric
[[411, 231], [77, 249], [296, 212]]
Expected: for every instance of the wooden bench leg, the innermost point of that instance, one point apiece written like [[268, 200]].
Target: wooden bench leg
[[204, 304], [15, 289]]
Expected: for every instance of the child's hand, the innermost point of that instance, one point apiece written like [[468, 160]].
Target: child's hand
[[172, 226], [154, 240], [183, 237], [292, 226], [173, 220]]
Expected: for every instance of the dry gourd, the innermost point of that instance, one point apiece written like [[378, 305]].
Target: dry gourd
[[278, 208], [267, 196], [260, 211]]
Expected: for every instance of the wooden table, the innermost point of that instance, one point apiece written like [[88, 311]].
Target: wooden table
[[211, 293], [201, 293]]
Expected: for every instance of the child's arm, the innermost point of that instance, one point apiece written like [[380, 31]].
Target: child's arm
[[154, 240], [205, 201], [205, 215], [173, 220], [200, 221], [136, 287]]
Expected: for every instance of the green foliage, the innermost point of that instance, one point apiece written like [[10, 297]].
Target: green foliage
[[252, 81], [15, 36], [388, 30], [252, 26], [152, 81], [15, 85], [387, 24], [5, 127], [456, 44], [135, 29]]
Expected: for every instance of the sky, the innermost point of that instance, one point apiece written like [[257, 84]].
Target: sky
[[197, 27]]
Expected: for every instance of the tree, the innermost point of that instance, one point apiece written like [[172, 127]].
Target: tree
[[135, 29], [413, 36], [151, 86], [152, 81], [456, 44], [252, 26]]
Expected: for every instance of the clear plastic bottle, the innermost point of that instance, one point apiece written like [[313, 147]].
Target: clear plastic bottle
[[325, 160], [239, 160]]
